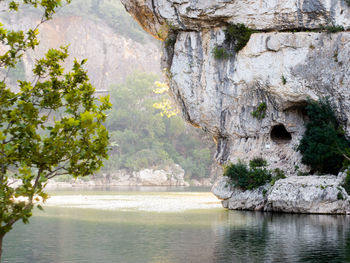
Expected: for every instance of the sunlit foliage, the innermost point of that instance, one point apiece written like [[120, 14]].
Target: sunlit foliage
[[166, 107], [141, 137], [49, 127]]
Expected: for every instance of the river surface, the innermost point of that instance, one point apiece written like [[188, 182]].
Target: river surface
[[169, 225]]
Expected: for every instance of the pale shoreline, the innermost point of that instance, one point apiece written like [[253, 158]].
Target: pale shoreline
[[152, 202]]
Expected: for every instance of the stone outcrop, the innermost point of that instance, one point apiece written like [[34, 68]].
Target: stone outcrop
[[295, 194], [172, 175], [291, 57], [281, 68], [156, 16], [220, 95]]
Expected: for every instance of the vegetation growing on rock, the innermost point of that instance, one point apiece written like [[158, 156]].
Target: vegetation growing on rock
[[284, 80], [254, 176], [248, 178], [220, 53], [279, 174], [332, 29], [239, 35], [323, 144], [260, 112], [258, 162]]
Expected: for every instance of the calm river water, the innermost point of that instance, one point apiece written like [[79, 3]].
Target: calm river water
[[158, 225]]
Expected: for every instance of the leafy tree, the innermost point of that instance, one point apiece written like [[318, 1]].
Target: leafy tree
[[144, 136], [49, 127], [323, 143]]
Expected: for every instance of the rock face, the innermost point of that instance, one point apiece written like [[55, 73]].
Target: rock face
[[192, 15], [172, 175], [280, 69], [285, 62], [308, 194], [169, 176], [295, 194], [220, 96]]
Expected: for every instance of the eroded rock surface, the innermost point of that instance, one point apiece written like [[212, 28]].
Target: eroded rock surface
[[285, 62], [295, 194], [221, 188], [281, 69], [308, 194], [221, 95], [158, 16], [172, 175]]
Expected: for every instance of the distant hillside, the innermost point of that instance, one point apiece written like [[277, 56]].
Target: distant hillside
[[100, 31], [111, 12]]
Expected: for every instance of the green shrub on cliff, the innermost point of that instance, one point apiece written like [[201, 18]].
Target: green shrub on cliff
[[220, 53], [323, 143], [278, 174], [254, 176], [238, 34], [260, 112], [248, 178], [258, 162], [333, 29]]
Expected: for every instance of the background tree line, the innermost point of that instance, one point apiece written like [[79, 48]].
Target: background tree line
[[142, 138]]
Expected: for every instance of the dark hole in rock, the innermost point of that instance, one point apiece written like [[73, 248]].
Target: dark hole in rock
[[279, 134]]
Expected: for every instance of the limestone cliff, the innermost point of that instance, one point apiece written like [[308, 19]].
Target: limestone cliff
[[282, 65], [294, 54]]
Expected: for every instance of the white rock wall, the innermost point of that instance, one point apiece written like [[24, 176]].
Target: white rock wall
[[220, 96], [295, 194], [196, 15]]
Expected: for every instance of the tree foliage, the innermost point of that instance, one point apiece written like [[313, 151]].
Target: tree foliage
[[143, 136], [238, 34], [254, 176], [49, 127], [248, 178], [260, 112], [323, 143]]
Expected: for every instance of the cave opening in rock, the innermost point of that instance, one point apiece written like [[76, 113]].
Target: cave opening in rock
[[279, 134]]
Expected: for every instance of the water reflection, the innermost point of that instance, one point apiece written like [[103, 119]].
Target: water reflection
[[270, 237], [63, 235]]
